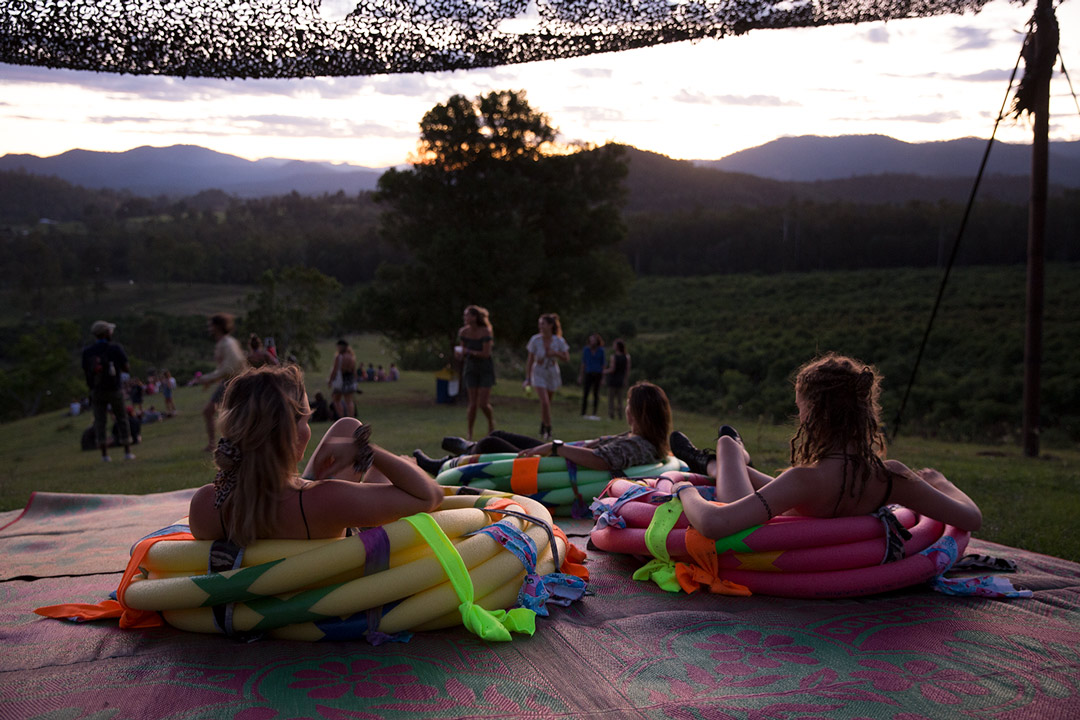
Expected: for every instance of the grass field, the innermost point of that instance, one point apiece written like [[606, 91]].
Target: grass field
[[1026, 503]]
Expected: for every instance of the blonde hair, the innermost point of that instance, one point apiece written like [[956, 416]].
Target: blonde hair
[[483, 317], [259, 415], [840, 397], [648, 404]]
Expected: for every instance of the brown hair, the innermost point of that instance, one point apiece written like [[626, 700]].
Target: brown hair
[[259, 413], [483, 318], [648, 405], [223, 322], [841, 410], [552, 319], [254, 342]]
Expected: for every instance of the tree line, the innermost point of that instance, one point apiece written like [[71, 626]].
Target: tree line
[[495, 213], [96, 236]]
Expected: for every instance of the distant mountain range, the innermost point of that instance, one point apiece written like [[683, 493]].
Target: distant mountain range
[[809, 166], [810, 158], [188, 169]]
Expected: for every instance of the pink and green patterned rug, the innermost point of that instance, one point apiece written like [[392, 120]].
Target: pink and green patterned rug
[[627, 651]]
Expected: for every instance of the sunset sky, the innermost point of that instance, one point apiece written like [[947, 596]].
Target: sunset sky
[[916, 80]]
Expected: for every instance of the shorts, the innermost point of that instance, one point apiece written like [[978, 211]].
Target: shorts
[[344, 383], [478, 373]]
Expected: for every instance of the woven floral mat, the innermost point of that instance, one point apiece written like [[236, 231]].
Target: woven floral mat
[[628, 651]]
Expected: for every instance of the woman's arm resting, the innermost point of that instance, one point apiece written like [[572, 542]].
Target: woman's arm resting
[[719, 521], [930, 493], [409, 478]]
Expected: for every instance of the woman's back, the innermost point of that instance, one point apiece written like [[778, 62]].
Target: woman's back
[[834, 488], [348, 363], [292, 520]]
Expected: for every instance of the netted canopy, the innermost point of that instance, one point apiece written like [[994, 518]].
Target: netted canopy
[[297, 38]]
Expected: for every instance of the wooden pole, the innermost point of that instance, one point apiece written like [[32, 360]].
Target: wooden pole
[[1045, 41]]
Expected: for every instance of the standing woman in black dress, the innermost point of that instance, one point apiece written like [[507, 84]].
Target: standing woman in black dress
[[475, 341], [617, 372]]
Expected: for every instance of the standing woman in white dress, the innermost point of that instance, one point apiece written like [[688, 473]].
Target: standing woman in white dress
[[546, 348]]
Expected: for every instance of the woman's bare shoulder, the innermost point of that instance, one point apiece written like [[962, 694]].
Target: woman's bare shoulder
[[202, 514]]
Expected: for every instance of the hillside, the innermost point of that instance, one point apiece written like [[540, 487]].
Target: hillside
[[809, 158], [657, 183], [68, 187], [187, 169], [815, 168]]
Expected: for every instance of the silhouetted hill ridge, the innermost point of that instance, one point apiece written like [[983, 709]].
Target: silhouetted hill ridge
[[855, 169], [809, 158], [181, 170]]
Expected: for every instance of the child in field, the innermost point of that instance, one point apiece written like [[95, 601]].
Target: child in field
[[837, 457], [257, 492]]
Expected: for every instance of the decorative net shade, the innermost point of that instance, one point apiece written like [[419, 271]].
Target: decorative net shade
[[301, 38]]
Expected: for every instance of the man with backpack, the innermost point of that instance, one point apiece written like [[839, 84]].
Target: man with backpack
[[103, 362]]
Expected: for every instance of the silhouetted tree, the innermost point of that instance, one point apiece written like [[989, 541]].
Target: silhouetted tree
[[294, 306], [490, 215]]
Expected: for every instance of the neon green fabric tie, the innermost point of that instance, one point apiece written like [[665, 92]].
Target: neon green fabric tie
[[483, 623], [661, 570]]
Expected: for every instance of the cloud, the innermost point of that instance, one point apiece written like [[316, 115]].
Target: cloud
[[877, 35], [297, 126], [269, 125], [171, 89], [999, 75], [593, 73], [932, 118], [594, 114], [984, 76], [697, 98], [415, 85], [971, 38], [120, 119]]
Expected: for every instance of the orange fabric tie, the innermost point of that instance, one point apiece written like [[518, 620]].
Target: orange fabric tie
[[575, 556], [523, 476], [704, 571], [129, 618]]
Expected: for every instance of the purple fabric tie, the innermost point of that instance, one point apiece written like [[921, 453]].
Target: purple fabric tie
[[377, 559]]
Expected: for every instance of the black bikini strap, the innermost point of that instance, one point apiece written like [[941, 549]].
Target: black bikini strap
[[302, 515]]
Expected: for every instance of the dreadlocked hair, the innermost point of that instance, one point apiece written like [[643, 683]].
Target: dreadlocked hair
[[260, 410], [840, 414]]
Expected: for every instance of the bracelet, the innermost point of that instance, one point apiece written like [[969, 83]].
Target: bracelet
[[768, 510]]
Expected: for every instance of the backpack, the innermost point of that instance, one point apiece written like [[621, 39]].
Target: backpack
[[103, 375]]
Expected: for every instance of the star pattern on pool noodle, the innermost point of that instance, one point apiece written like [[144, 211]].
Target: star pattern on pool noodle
[[468, 473], [233, 586], [759, 561]]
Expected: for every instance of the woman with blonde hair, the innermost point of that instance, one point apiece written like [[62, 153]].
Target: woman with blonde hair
[[257, 492]]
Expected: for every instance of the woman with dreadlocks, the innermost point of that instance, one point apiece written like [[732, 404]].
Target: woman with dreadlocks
[[837, 463]]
